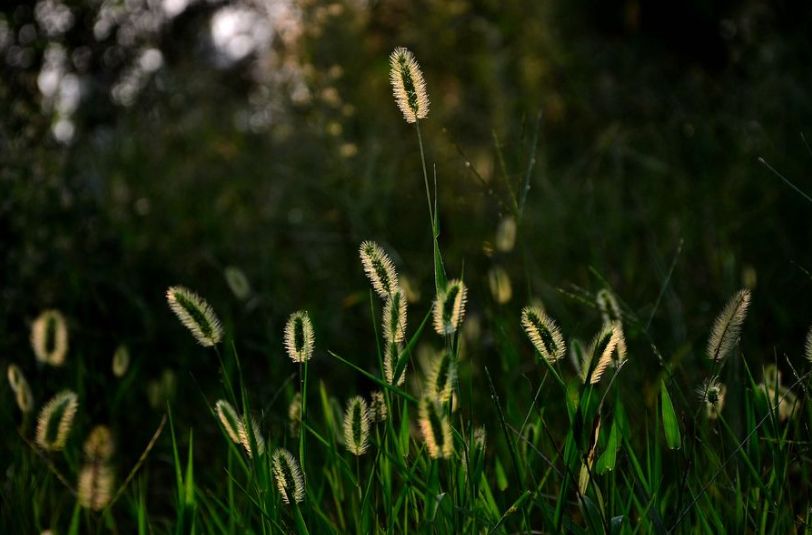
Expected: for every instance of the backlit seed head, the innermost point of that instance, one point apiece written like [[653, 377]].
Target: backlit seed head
[[379, 269], [780, 399], [99, 444], [499, 283], [479, 438], [394, 317], [238, 283], [49, 338], [356, 426], [543, 333], [390, 362], [408, 85], [245, 438], [19, 385], [15, 377], [712, 394], [607, 304], [295, 414], [442, 378], [506, 234], [196, 315], [95, 488], [727, 327], [288, 476], [580, 358], [378, 411], [449, 307], [121, 360], [231, 422], [603, 346], [56, 420], [436, 429], [299, 339], [808, 347]]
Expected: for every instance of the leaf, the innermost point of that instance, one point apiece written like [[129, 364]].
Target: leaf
[[673, 438], [606, 462]]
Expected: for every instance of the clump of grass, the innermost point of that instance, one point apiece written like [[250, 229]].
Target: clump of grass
[[727, 327], [356, 426], [196, 315], [299, 338], [288, 476], [56, 421], [49, 338]]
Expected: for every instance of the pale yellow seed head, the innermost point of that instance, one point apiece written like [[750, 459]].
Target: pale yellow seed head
[[390, 361], [544, 333], [394, 317], [727, 327], [408, 85], [356, 426], [231, 422], [99, 444], [121, 361], [56, 420], [436, 429], [607, 304], [299, 338], [288, 476], [379, 269], [49, 338], [603, 347], [712, 394], [95, 487], [245, 437], [449, 307], [238, 282], [378, 411], [506, 234], [196, 315], [499, 283], [441, 378]]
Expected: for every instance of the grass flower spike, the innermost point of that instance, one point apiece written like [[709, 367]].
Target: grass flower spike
[[543, 333], [607, 304], [229, 420], [394, 317], [196, 315], [808, 347], [727, 327], [121, 361], [49, 338], [436, 429], [408, 85], [19, 385], [246, 439], [712, 394], [99, 446], [356, 426], [604, 345], [56, 420], [449, 307], [95, 489], [379, 269], [442, 377], [288, 476], [499, 283], [299, 340], [238, 283], [378, 411], [390, 362]]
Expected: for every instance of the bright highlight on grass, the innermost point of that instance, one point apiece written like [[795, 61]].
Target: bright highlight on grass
[[299, 339], [56, 421], [449, 307], [379, 269], [288, 476], [356, 426], [49, 338], [408, 85], [543, 333], [727, 327], [196, 315], [436, 429]]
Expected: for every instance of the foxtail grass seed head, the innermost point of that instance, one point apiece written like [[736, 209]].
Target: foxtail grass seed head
[[56, 420], [356, 426], [196, 315], [295, 414], [727, 327], [299, 339], [808, 347], [543, 333], [499, 283], [479, 438], [607, 304], [121, 360], [712, 394], [580, 358], [506, 235], [378, 411], [49, 338], [15, 377], [436, 429], [24, 398], [408, 85], [229, 420], [99, 445], [238, 283], [95, 488], [394, 317], [603, 347], [379, 269], [442, 377], [449, 307], [245, 437], [288, 476], [390, 362]]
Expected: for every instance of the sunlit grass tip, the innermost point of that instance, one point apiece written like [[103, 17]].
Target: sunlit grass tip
[[442, 377], [378, 411], [712, 394], [356, 426], [295, 414], [392, 352], [196, 315], [607, 304], [543, 333], [808, 346], [727, 327], [99, 445], [49, 337], [408, 85], [288, 476], [436, 429], [449, 307], [250, 424], [299, 338], [121, 360], [229, 420], [238, 282], [379, 269], [499, 283], [394, 317], [603, 347], [19, 385], [56, 421], [95, 488]]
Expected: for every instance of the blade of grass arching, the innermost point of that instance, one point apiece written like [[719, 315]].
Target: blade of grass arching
[[787, 181], [673, 437], [439, 270], [402, 393]]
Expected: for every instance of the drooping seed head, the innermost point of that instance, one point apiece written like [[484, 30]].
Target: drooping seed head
[[379, 269], [378, 411], [121, 360], [392, 352], [56, 420], [196, 315], [95, 488], [499, 283], [356, 426], [238, 282], [442, 377], [299, 339], [436, 429], [712, 394], [543, 333], [231, 422], [49, 338], [99, 444], [394, 317], [288, 476], [408, 85], [603, 346], [727, 327], [251, 425], [449, 307], [607, 304]]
